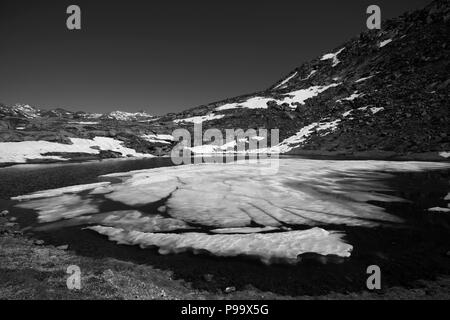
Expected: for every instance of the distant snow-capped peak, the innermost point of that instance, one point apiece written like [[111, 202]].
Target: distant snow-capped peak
[[126, 116]]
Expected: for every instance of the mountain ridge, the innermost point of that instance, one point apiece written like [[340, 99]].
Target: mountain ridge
[[384, 91]]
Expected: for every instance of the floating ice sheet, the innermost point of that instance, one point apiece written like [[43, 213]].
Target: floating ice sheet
[[302, 192], [62, 207], [60, 191], [125, 219], [233, 207], [284, 246], [244, 230], [439, 209]]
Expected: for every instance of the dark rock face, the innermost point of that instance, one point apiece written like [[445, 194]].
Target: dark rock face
[[406, 79], [391, 97]]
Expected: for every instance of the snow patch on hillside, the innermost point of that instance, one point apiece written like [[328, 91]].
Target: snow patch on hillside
[[332, 56], [20, 152], [200, 119], [93, 115], [385, 42], [373, 110], [363, 79], [230, 147], [300, 96], [310, 75], [324, 127], [252, 103], [206, 149], [84, 122], [158, 138], [283, 84], [286, 80], [302, 136], [291, 98], [352, 97]]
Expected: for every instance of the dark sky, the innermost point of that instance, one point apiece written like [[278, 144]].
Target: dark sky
[[166, 56]]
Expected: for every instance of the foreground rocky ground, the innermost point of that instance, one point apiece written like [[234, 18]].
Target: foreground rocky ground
[[31, 269]]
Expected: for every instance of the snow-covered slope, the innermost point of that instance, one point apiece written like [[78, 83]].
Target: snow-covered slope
[[21, 152]]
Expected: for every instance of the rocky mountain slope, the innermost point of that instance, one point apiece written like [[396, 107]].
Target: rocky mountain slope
[[383, 92]]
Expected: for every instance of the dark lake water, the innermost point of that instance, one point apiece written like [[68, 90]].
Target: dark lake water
[[418, 250], [22, 179]]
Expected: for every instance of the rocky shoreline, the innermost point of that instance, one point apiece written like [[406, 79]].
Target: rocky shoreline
[[313, 154], [372, 155], [68, 158]]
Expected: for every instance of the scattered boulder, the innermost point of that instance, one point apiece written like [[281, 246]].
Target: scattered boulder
[[107, 154], [230, 289]]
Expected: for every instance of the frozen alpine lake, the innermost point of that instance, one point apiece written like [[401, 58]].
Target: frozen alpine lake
[[257, 212]]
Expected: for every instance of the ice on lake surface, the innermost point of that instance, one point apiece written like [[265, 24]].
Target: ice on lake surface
[[232, 209], [268, 247]]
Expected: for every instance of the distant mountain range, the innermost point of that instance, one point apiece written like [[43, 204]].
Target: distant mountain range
[[29, 112], [383, 92]]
